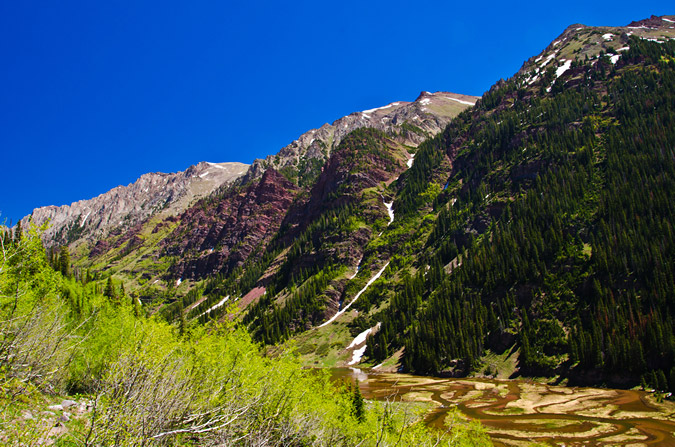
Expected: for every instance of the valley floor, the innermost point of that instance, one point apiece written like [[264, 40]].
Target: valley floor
[[518, 412]]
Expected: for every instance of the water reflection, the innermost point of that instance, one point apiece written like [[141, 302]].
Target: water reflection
[[358, 374]]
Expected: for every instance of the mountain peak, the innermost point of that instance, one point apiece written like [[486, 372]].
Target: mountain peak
[[426, 116], [426, 98], [653, 22], [579, 41]]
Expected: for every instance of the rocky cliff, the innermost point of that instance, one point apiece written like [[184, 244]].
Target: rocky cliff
[[581, 42], [124, 207], [218, 234], [409, 122], [294, 186]]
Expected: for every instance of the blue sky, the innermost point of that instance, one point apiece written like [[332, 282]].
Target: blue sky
[[94, 94]]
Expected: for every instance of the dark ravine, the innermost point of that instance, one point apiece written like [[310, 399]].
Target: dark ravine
[[218, 235]]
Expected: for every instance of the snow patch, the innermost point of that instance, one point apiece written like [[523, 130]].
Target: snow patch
[[368, 284], [215, 165], [216, 306], [357, 355], [469, 103], [390, 210], [358, 267], [360, 338], [204, 174], [85, 219], [548, 59], [566, 66], [667, 20], [381, 108], [425, 101], [180, 280], [615, 58], [623, 49], [410, 161], [608, 36]]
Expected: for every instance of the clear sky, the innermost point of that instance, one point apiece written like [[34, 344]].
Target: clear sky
[[96, 93]]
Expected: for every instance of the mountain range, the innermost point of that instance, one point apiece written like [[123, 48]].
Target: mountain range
[[526, 232]]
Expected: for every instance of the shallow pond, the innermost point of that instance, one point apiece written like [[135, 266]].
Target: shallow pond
[[515, 412]]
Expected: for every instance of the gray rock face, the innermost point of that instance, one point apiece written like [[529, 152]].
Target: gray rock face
[[125, 206], [424, 117]]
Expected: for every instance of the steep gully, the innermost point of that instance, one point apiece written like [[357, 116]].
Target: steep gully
[[359, 343]]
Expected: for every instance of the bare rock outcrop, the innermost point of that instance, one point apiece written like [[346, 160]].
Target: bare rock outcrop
[[124, 207], [219, 234], [409, 122]]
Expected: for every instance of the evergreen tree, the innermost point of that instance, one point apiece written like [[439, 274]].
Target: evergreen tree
[[18, 233], [64, 262], [358, 406], [109, 291]]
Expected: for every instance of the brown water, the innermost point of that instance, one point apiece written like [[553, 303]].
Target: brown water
[[517, 412]]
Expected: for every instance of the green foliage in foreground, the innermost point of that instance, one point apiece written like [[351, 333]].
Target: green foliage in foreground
[[150, 386]]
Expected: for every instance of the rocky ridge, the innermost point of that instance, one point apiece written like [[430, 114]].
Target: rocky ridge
[[219, 232], [580, 42], [412, 123], [217, 235], [124, 207]]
